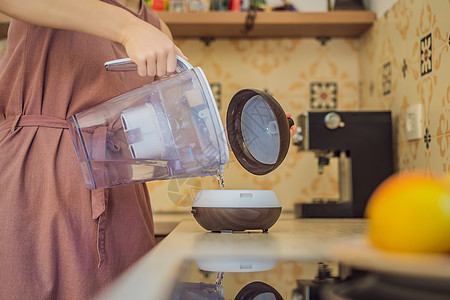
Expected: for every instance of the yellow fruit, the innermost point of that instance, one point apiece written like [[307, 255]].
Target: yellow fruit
[[410, 212]]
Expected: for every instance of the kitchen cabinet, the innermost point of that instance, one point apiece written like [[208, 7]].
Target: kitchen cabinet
[[287, 24], [349, 24]]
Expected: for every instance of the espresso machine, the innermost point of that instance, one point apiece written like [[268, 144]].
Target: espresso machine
[[362, 143]]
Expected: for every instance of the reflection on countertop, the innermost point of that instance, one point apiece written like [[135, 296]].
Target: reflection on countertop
[[249, 276]]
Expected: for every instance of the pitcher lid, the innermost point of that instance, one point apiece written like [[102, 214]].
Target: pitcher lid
[[258, 131]]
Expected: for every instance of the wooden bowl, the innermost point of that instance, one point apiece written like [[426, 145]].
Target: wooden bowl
[[236, 210]]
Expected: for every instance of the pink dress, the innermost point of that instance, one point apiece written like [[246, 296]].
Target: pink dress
[[58, 239]]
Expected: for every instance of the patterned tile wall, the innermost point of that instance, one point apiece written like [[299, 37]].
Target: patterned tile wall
[[401, 61], [413, 40], [301, 74]]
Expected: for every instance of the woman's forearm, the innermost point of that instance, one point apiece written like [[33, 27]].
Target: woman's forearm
[[153, 51], [88, 16]]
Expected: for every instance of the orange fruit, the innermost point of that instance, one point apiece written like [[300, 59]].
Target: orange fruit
[[410, 212]]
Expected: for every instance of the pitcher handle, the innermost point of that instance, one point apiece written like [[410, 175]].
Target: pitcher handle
[[126, 64]]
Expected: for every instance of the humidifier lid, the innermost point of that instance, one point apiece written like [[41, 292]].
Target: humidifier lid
[[258, 131]]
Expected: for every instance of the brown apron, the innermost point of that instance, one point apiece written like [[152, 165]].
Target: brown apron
[[99, 198], [57, 238]]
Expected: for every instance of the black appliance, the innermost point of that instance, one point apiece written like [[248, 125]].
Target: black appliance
[[362, 142]]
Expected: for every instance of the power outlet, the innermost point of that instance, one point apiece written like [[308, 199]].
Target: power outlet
[[414, 122]]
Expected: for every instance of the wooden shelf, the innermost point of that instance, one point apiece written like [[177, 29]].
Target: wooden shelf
[[283, 24], [350, 24]]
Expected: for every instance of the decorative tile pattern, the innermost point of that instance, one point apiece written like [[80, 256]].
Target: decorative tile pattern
[[323, 95], [443, 161], [427, 138], [443, 134], [416, 34], [290, 67], [426, 64], [284, 68], [404, 68], [386, 78]]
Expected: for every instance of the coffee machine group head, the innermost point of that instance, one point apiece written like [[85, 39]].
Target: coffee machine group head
[[362, 142]]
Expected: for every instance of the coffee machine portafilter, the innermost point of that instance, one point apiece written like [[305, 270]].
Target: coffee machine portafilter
[[362, 142]]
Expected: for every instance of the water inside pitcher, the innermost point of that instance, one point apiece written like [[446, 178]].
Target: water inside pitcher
[[166, 129]]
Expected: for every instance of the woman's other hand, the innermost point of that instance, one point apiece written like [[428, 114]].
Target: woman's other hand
[[293, 128]]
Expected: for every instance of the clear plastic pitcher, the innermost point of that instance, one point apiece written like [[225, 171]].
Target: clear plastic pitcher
[[166, 129]]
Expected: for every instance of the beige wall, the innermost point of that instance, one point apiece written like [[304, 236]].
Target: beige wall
[[288, 67], [408, 29]]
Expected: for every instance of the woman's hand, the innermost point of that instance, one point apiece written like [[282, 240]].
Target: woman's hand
[[293, 128], [151, 49]]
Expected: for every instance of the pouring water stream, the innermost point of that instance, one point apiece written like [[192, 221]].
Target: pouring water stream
[[221, 181]]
